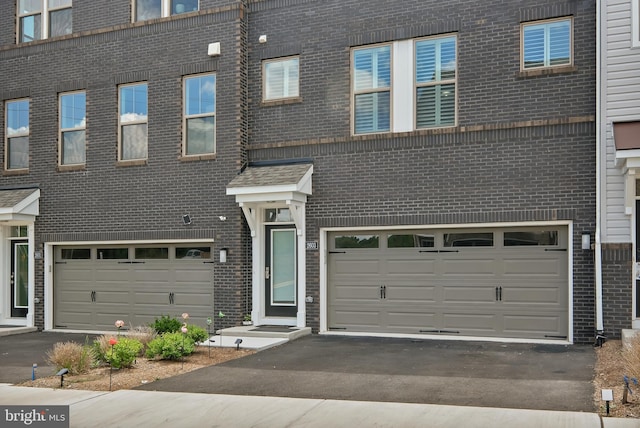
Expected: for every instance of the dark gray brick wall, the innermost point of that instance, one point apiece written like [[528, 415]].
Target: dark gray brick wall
[[617, 274], [105, 198], [489, 87]]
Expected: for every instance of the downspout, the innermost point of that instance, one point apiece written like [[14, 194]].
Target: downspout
[[599, 142]]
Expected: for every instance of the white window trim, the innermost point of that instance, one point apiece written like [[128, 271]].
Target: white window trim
[[131, 122], [286, 78], [44, 17], [20, 134], [62, 130], [185, 116], [165, 10], [635, 23], [545, 22]]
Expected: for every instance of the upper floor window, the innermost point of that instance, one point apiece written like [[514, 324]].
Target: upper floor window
[[132, 122], [199, 115], [436, 82], [372, 89], [411, 81], [150, 9], [281, 78], [16, 127], [546, 44], [40, 19], [73, 122]]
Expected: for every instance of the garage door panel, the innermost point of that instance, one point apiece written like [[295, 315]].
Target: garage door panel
[[537, 324], [552, 268], [411, 321], [468, 267], [410, 294], [356, 318], [417, 268], [480, 323], [534, 296], [356, 293], [471, 294], [137, 293], [463, 289]]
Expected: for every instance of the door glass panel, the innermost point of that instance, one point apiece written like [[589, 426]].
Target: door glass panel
[[468, 239], [193, 253], [283, 262], [113, 253], [21, 278], [76, 253], [546, 237], [410, 241], [357, 241]]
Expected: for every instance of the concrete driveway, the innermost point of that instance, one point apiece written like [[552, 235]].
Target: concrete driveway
[[484, 374]]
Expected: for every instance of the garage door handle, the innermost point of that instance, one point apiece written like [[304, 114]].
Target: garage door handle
[[171, 298], [93, 296], [498, 294], [337, 252], [555, 249]]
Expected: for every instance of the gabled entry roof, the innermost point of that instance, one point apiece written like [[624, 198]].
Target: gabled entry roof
[[19, 204], [272, 183]]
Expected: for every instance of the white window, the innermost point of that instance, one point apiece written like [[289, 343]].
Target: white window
[[404, 85], [635, 23], [73, 122], [150, 9], [16, 132], [132, 122], [199, 119], [40, 19], [546, 44], [281, 78]]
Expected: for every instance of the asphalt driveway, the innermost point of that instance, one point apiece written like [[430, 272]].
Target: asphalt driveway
[[486, 374]]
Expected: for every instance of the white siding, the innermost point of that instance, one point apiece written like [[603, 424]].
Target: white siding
[[621, 99]]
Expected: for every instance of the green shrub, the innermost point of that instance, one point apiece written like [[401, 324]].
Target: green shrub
[[166, 324], [197, 333], [124, 353], [144, 334], [170, 346], [70, 355]]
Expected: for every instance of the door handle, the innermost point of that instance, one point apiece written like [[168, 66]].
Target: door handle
[[266, 272]]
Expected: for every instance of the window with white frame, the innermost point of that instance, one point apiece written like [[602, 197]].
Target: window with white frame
[[132, 122], [199, 117], [73, 122], [40, 19], [546, 44], [281, 78], [372, 89], [635, 23], [16, 128], [150, 9], [436, 82], [404, 85]]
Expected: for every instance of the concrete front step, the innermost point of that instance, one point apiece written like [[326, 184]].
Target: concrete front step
[[279, 332]]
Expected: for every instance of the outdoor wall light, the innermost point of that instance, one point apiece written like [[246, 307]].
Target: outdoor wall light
[[223, 255], [186, 219], [262, 38], [586, 240]]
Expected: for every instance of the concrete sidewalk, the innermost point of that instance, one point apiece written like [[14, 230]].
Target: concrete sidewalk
[[130, 408]]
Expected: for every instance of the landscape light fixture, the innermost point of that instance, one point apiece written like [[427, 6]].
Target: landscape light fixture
[[607, 397], [238, 342], [61, 373]]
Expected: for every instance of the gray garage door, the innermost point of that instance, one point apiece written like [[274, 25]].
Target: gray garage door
[[96, 285], [510, 282]]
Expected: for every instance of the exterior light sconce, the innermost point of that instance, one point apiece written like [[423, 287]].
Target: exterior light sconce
[[223, 255], [186, 219], [586, 240], [213, 49], [262, 38]]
